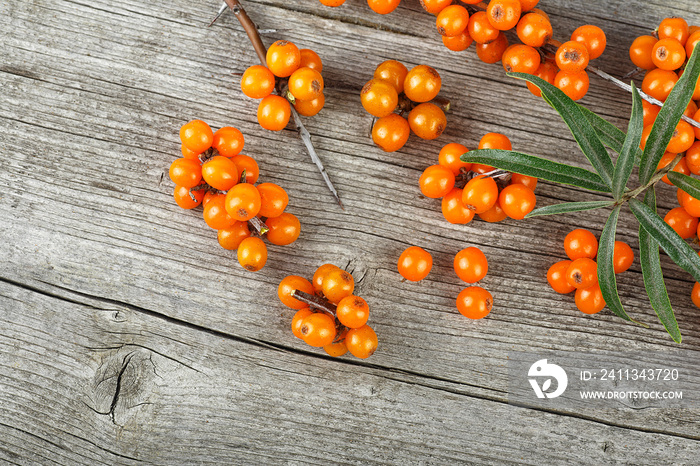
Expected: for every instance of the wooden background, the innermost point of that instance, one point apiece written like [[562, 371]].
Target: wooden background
[[128, 335]]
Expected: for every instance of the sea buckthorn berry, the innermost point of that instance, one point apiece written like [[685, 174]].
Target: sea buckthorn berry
[[593, 38], [247, 164], [220, 173], [309, 108], [273, 200], [452, 21], [243, 202], [556, 277], [580, 243], [228, 141], [331, 3], [391, 132], [521, 58], [640, 52], [692, 30], [186, 172], [474, 302], [320, 275], [494, 215], [575, 85], [337, 284], [427, 121], [379, 98], [590, 300], [337, 349], [252, 254], [517, 201], [495, 141], [310, 59], [274, 112], [534, 30], [529, 181], [318, 329], [415, 263], [682, 222], [695, 129], [668, 54], [695, 294], [283, 229], [305, 84], [353, 311], [658, 83], [208, 196], [527, 5], [188, 154], [450, 157], [623, 256], [503, 14], [683, 137], [681, 166], [436, 181], [692, 158], [673, 28], [230, 238], [481, 169], [197, 136], [383, 7], [538, 11], [480, 194], [458, 43], [645, 135], [283, 58], [300, 315], [649, 112], [454, 210], [361, 342], [393, 72], [257, 82], [572, 56], [422, 83], [183, 198], [692, 41], [493, 51], [435, 6], [582, 273], [481, 30], [470, 265], [287, 287]]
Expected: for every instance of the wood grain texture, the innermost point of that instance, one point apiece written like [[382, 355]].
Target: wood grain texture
[[129, 335]]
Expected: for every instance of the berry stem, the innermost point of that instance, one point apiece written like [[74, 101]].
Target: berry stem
[[654, 179], [258, 225], [315, 302]]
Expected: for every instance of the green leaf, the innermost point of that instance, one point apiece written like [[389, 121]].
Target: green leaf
[[625, 162], [517, 162], [654, 277], [677, 249], [580, 127], [668, 118], [686, 183], [606, 266], [566, 207], [609, 134]]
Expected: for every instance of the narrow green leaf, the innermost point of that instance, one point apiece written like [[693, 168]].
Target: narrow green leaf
[[580, 127], [625, 162], [609, 134], [525, 164], [677, 249], [668, 118], [654, 277], [566, 207], [686, 183], [606, 266]]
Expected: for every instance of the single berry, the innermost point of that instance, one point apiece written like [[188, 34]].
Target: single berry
[[283, 229], [352, 311], [361, 342], [474, 302], [415, 264], [252, 254], [581, 243], [287, 287], [470, 265], [556, 277]]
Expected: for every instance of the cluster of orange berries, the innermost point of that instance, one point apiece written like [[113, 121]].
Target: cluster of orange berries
[[480, 195], [383, 7], [329, 315], [304, 84], [565, 68], [213, 173], [580, 272], [470, 265], [664, 55], [396, 89]]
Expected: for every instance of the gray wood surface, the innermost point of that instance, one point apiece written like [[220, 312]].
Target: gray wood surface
[[128, 335]]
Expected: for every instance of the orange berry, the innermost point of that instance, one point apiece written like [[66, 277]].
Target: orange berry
[[691, 43], [273, 200], [495, 141], [310, 59], [493, 51], [454, 210], [673, 28], [361, 342], [572, 56], [494, 215], [452, 20], [640, 52], [581, 243], [309, 108], [183, 198], [336, 349], [247, 164], [503, 14], [228, 141], [215, 215], [575, 85], [682, 222], [427, 121], [517, 201], [695, 294], [436, 181], [481, 30], [393, 72], [521, 58], [649, 112], [331, 3], [592, 37], [529, 181], [582, 273], [283, 58], [422, 83], [528, 5], [186, 172], [682, 139], [681, 166], [274, 112], [696, 129], [283, 229], [391, 132], [658, 83], [474, 302], [668, 54], [197, 136], [287, 287], [470, 265], [435, 6], [379, 98], [590, 300], [556, 277], [257, 82], [188, 154], [320, 275], [252, 254], [230, 238], [352, 311], [337, 284], [692, 158], [300, 315], [243, 202], [220, 173], [305, 84], [383, 7], [449, 157], [623, 256], [480, 194], [534, 30], [318, 329], [458, 43], [415, 263]]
